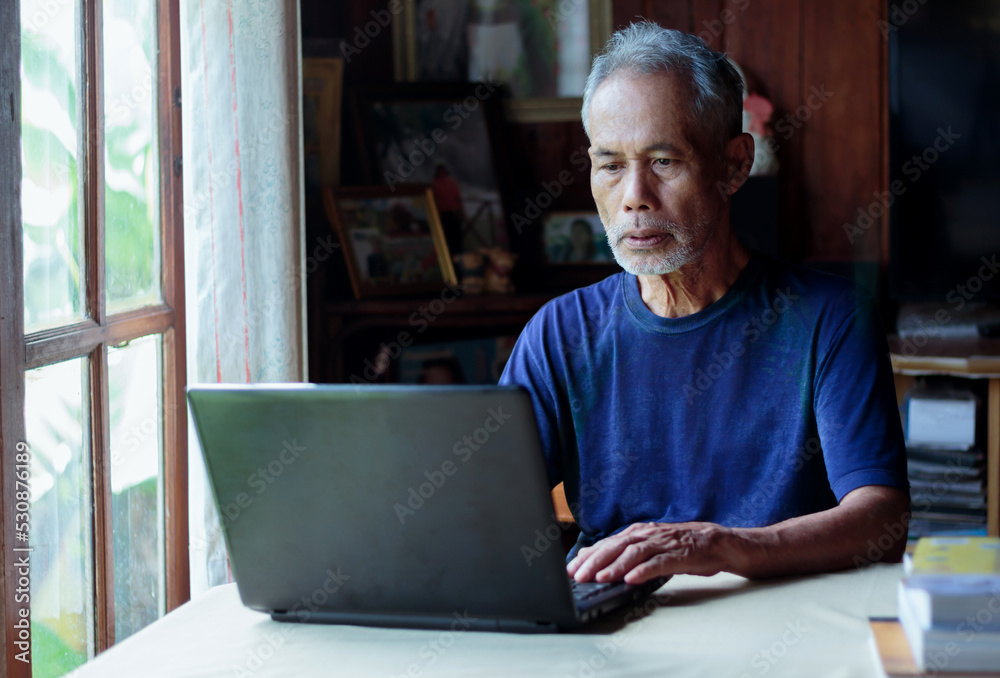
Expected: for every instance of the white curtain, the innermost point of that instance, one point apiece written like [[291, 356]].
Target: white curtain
[[243, 217]]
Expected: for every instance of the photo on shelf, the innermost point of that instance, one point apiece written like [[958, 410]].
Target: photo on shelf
[[541, 50], [446, 136], [322, 90], [472, 361], [575, 238], [392, 241]]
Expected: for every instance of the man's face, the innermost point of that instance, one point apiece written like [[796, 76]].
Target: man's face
[[652, 176]]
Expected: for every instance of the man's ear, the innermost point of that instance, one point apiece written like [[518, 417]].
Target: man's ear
[[739, 159]]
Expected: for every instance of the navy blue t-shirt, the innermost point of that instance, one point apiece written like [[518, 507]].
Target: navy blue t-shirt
[[773, 402]]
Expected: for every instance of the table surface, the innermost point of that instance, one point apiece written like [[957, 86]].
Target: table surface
[[715, 627]]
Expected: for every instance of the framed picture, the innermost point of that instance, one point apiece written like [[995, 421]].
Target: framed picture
[[574, 251], [392, 240], [575, 238], [473, 361], [542, 50], [447, 136], [322, 92]]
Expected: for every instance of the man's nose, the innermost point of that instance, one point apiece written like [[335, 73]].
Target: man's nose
[[639, 194]]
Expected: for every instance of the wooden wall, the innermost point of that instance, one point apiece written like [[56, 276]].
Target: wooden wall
[[833, 155], [834, 160]]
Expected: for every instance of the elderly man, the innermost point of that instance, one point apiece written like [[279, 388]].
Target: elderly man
[[710, 409]]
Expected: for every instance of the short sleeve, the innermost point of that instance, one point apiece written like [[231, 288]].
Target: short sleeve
[[528, 368], [855, 403]]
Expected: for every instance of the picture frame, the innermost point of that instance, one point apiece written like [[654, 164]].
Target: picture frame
[[450, 137], [575, 239], [558, 268], [453, 40], [467, 361], [392, 240], [322, 97]]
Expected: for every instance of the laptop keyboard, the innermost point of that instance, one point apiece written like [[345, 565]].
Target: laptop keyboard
[[586, 590]]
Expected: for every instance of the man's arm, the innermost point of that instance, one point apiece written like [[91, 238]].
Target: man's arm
[[869, 524]]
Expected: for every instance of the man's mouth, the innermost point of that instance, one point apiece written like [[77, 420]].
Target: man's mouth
[[644, 240]]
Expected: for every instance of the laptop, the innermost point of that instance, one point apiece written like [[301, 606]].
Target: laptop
[[404, 506]]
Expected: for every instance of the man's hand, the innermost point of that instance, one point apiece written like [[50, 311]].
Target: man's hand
[[644, 551], [869, 525]]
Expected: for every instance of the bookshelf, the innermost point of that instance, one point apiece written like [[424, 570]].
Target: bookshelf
[[418, 318], [969, 358]]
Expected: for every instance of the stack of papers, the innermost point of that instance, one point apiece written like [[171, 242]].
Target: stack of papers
[[945, 468]]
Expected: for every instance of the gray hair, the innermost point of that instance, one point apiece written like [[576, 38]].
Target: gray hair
[[716, 105]]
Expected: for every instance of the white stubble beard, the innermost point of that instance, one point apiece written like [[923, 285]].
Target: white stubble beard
[[678, 253]]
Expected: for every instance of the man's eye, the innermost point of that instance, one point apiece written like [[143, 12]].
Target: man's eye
[[611, 166], [663, 162]]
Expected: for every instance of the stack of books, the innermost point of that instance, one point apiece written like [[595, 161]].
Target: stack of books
[[947, 491], [946, 470], [949, 604]]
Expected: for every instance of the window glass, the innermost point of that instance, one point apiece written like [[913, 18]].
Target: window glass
[[134, 388], [131, 169], [50, 187], [62, 613]]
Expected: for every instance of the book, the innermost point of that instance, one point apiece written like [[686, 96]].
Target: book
[[973, 486], [918, 468], [961, 649], [919, 527], [961, 501], [956, 611], [970, 561], [893, 657], [941, 418], [946, 456]]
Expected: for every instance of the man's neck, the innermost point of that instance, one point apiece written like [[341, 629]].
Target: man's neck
[[696, 285]]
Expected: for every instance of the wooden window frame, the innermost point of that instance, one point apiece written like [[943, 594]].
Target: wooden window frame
[[93, 336]]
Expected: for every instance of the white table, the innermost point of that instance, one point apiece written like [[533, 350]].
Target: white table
[[718, 627]]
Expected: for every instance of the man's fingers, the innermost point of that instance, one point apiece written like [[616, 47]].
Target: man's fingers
[[647, 550], [611, 559], [590, 561], [579, 559], [644, 560], [630, 556], [659, 565]]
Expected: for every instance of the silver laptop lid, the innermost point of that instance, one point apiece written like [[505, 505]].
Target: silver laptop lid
[[394, 501]]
